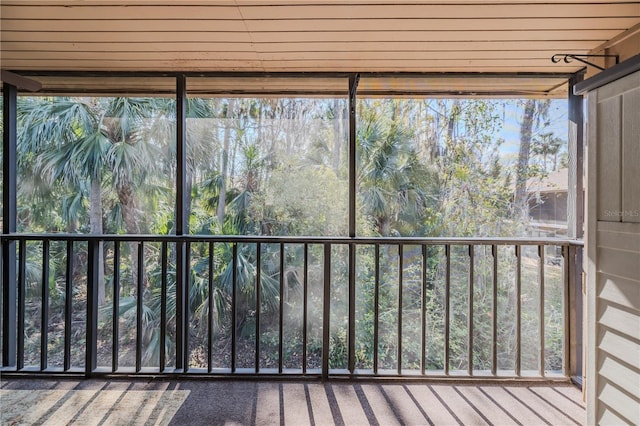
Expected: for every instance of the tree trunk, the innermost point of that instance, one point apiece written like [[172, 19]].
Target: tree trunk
[[522, 170], [222, 198], [131, 225], [337, 135], [289, 127], [453, 119], [95, 226]]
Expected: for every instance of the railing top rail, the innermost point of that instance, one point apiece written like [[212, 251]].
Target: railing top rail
[[296, 239]]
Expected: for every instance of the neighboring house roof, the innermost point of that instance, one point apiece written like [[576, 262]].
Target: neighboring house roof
[[557, 181]]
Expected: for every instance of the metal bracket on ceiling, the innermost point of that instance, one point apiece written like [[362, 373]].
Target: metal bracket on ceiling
[[569, 57]]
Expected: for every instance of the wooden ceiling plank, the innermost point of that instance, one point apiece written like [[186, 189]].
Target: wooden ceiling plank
[[311, 11], [417, 55], [131, 56], [283, 56], [295, 48], [198, 63], [46, 37], [285, 2], [438, 11], [120, 65], [141, 25], [176, 25], [403, 2], [422, 35], [226, 48], [426, 45], [122, 12], [86, 37], [437, 24]]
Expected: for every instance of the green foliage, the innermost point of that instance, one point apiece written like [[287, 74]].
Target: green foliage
[[280, 167]]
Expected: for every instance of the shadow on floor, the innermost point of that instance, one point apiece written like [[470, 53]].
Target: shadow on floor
[[212, 402]]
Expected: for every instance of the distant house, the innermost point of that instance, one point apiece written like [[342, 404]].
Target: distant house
[[548, 204]]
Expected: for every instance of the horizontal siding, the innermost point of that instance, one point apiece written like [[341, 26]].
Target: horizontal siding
[[625, 322], [624, 292], [625, 264], [626, 377], [618, 346], [618, 322], [607, 417], [625, 407], [619, 236]]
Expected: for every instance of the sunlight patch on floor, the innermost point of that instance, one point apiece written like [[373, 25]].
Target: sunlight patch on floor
[[90, 407]]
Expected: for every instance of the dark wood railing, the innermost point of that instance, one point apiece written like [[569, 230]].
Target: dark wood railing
[[292, 306]]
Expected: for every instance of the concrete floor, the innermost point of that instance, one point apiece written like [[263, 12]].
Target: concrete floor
[[224, 402]]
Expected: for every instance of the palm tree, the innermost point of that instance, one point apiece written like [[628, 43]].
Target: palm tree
[[392, 182], [94, 143], [62, 139]]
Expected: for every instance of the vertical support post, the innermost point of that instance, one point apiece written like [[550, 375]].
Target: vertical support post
[[186, 260], [352, 309], [44, 310], [494, 316], [423, 311], [182, 274], [400, 302], [518, 309], [575, 195], [447, 309], [139, 306], [9, 213], [68, 306], [576, 310], [541, 314], [305, 310], [326, 308], [376, 308], [471, 310], [92, 307], [211, 305], [281, 312], [22, 269], [234, 307], [115, 346], [163, 306], [353, 88], [575, 213], [258, 302]]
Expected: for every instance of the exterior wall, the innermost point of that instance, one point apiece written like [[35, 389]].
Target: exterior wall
[[613, 253]]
